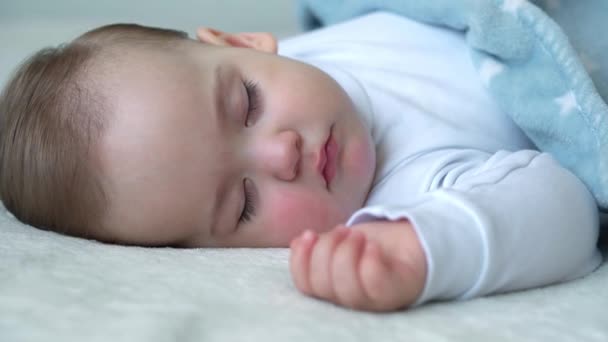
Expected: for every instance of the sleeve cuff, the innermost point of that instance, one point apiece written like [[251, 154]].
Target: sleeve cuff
[[454, 245]]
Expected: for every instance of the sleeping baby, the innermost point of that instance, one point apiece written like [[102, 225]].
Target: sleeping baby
[[369, 148]]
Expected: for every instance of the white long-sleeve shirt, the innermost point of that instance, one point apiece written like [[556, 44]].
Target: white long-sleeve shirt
[[492, 214]]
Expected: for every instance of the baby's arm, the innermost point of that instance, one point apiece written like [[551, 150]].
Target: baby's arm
[[497, 223], [375, 266], [487, 224]]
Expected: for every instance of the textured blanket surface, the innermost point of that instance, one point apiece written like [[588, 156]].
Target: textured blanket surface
[[57, 288], [544, 61]]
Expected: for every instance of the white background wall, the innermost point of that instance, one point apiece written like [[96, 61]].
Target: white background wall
[[28, 25]]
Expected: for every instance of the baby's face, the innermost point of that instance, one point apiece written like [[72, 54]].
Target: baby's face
[[221, 146]]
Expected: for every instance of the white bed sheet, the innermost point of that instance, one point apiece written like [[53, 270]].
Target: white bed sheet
[[57, 288]]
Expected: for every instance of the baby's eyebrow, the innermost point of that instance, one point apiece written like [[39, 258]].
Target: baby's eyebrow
[[218, 109], [216, 209], [220, 224]]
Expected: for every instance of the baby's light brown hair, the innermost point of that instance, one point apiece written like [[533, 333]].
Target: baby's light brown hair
[[51, 117]]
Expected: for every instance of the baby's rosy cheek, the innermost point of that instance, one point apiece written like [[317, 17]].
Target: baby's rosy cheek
[[361, 158], [291, 214]]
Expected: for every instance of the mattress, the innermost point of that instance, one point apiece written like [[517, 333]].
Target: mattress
[[59, 288]]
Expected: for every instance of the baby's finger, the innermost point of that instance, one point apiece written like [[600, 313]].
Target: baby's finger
[[345, 271], [320, 262], [299, 260], [384, 287]]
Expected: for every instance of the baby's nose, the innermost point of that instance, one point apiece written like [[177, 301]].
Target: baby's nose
[[281, 155]]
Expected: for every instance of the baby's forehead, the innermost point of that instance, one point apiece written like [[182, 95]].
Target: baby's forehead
[[151, 85], [146, 73], [164, 89], [145, 60]]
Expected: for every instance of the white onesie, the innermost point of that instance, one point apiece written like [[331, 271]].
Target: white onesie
[[492, 213]]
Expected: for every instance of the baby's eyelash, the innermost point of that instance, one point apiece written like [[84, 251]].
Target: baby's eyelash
[[253, 98], [249, 207]]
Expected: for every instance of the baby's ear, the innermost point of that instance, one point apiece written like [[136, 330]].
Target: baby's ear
[[261, 41]]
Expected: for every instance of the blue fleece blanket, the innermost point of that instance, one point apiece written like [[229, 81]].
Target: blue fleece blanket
[[544, 61]]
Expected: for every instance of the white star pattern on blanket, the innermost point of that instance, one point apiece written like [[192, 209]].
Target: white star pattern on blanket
[[596, 120], [512, 6], [489, 69], [566, 103]]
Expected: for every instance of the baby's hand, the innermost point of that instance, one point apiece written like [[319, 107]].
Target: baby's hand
[[377, 266]]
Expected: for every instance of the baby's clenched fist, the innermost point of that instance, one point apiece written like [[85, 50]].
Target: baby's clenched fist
[[373, 266]]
